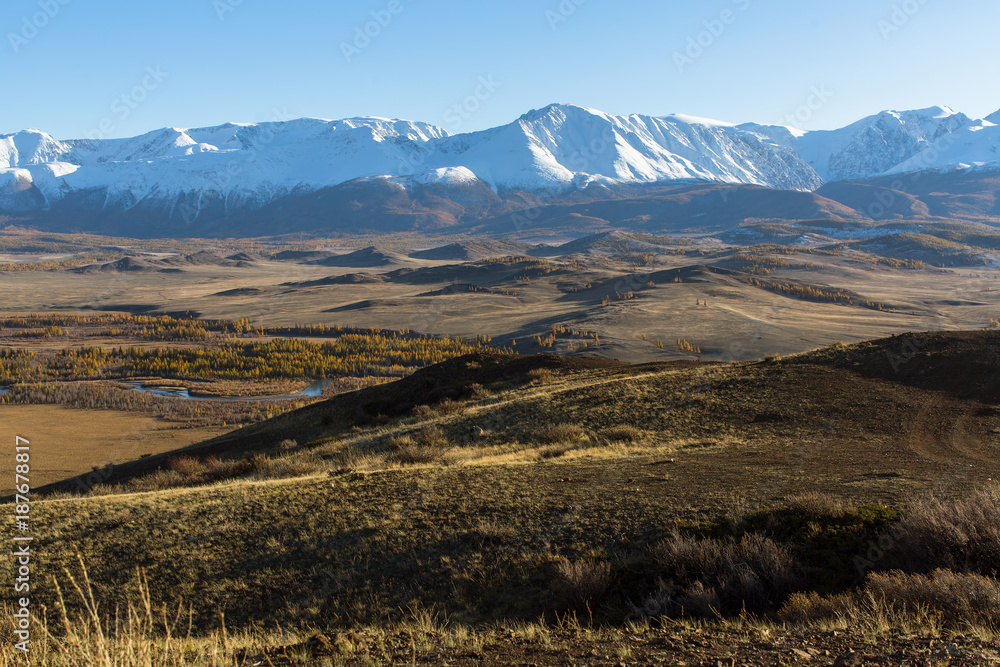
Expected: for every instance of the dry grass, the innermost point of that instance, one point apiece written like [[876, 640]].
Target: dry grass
[[557, 434], [67, 442], [962, 534], [895, 600], [429, 444], [581, 585], [721, 577], [622, 433], [187, 471]]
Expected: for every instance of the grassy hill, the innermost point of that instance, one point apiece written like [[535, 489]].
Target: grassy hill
[[504, 489]]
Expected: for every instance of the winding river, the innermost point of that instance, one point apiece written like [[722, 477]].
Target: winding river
[[312, 391]]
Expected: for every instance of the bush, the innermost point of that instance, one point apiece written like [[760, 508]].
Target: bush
[[186, 465], [554, 451], [897, 599], [958, 597], [622, 433], [414, 454], [433, 436], [581, 585], [424, 412], [427, 447], [962, 535], [540, 375], [812, 608], [450, 407], [555, 434], [712, 577]]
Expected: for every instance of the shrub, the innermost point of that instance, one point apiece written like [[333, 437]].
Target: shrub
[[555, 434], [478, 392], [554, 451], [812, 608], [897, 599], [186, 465], [958, 597], [622, 433], [723, 576], [540, 375], [962, 535], [450, 407], [424, 412], [428, 446], [816, 505], [581, 585], [433, 436], [414, 454]]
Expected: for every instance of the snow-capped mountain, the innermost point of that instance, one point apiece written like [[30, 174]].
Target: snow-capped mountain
[[215, 171]]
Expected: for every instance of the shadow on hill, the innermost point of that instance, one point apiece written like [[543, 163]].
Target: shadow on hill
[[851, 386]]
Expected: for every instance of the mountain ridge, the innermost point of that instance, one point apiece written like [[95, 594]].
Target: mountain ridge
[[199, 177]]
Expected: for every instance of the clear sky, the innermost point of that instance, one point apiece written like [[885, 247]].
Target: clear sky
[[79, 68]]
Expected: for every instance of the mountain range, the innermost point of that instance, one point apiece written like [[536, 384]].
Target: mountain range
[[559, 166]]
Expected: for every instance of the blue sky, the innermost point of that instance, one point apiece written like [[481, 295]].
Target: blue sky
[[125, 67]]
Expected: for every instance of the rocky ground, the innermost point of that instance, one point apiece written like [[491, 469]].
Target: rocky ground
[[729, 646]]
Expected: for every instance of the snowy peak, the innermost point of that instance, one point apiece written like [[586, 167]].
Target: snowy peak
[[558, 148], [29, 147], [564, 144], [877, 144]]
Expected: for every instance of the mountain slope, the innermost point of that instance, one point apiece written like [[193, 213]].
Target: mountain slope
[[180, 181]]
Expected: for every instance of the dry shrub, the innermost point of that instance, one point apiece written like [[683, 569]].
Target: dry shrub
[[428, 446], [415, 454], [157, 481], [581, 584], [189, 471], [280, 468], [433, 436], [962, 535], [288, 445], [812, 608], [556, 434], [478, 392], [622, 433], [701, 600], [450, 407], [540, 375], [424, 412], [816, 505], [958, 597], [712, 577], [554, 451], [186, 465], [896, 599]]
